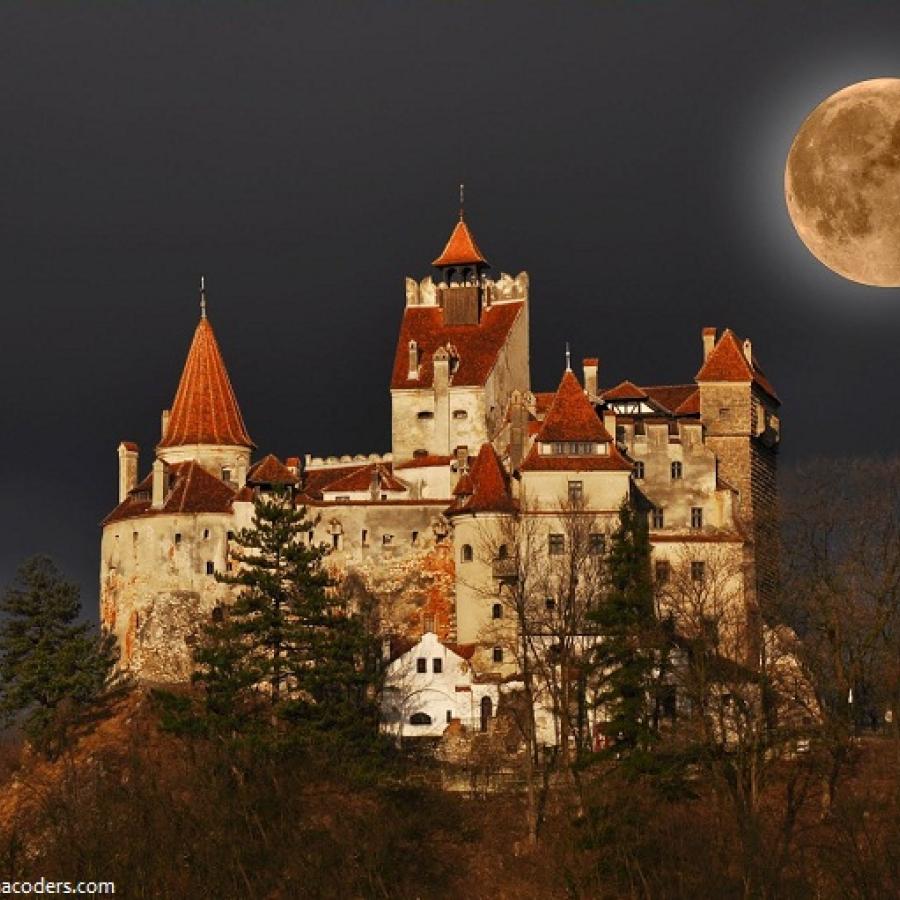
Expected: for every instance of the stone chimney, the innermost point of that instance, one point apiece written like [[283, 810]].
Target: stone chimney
[[165, 423], [413, 360], [591, 374], [158, 496], [441, 384], [609, 422], [518, 418], [748, 351], [709, 341], [128, 468]]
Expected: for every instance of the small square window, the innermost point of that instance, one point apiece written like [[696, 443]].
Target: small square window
[[177, 538], [676, 470], [557, 544], [497, 611], [549, 604], [657, 518], [498, 654], [663, 571], [698, 571], [387, 539], [437, 665], [210, 568], [696, 517], [639, 470], [421, 665], [576, 491], [597, 545]]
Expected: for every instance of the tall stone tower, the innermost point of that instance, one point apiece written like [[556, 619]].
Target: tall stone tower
[[739, 411], [462, 350]]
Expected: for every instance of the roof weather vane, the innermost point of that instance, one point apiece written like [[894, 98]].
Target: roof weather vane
[[462, 199], [568, 358], [202, 296]]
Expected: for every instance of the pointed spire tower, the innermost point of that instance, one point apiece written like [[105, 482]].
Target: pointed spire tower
[[205, 423]]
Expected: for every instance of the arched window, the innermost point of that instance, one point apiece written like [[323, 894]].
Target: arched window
[[420, 718], [467, 553]]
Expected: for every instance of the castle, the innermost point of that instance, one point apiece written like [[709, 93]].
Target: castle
[[472, 445]]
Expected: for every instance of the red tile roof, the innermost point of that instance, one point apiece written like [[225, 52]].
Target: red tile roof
[[464, 487], [571, 416], [205, 410], [543, 400], [420, 462], [613, 461], [727, 362], [627, 390], [466, 651], [361, 480], [270, 470], [690, 407], [460, 249], [191, 490], [670, 396], [316, 480], [490, 486], [477, 345]]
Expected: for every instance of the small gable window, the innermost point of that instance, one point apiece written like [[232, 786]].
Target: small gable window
[[437, 665], [467, 553], [421, 665]]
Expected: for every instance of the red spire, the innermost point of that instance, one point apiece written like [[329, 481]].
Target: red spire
[[205, 410], [461, 249]]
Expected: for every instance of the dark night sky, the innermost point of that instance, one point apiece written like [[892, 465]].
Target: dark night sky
[[305, 157]]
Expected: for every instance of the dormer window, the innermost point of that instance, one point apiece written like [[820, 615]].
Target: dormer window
[[574, 448]]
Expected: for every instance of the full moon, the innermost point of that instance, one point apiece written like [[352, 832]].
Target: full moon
[[842, 182]]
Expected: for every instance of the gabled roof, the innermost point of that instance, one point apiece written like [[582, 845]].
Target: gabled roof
[[477, 346], [361, 480], [670, 396], [490, 486], [571, 416], [270, 470], [460, 249], [425, 461], [690, 406], [627, 390], [191, 490], [205, 409], [727, 362], [464, 487]]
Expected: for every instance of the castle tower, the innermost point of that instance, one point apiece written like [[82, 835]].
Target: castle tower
[[205, 424], [739, 412], [462, 350]]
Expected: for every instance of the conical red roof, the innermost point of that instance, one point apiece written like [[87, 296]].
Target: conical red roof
[[461, 249], [205, 410], [488, 487], [571, 416]]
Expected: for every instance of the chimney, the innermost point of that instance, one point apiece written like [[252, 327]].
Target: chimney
[[413, 360], [518, 417], [748, 351], [159, 484], [709, 341], [609, 422], [165, 423], [128, 468], [591, 370]]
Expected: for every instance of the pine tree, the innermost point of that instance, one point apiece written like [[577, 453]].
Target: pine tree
[[627, 658], [289, 654], [47, 657]]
